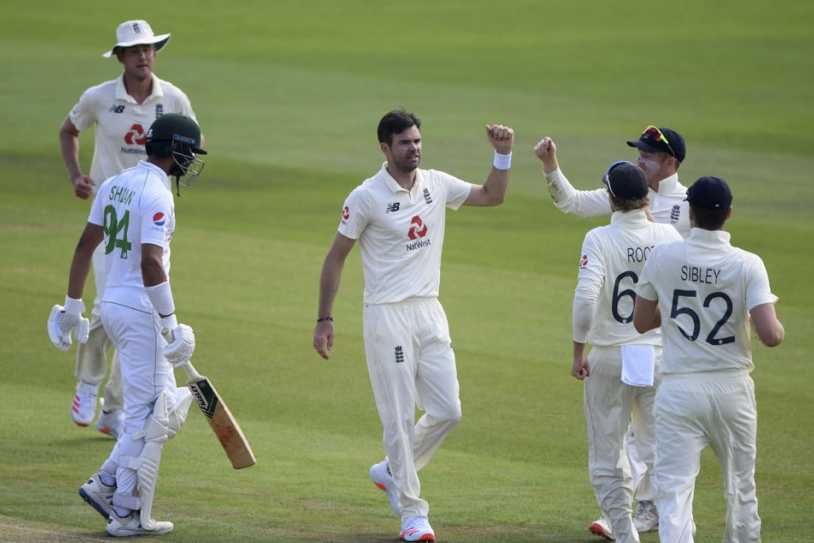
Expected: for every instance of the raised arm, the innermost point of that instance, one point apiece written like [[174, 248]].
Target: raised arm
[[582, 203], [493, 190]]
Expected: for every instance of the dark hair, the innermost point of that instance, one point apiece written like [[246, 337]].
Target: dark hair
[[709, 219], [396, 122]]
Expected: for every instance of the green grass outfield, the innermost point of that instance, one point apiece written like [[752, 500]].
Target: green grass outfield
[[288, 94]]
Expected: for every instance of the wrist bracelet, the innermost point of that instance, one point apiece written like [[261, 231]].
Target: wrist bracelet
[[503, 162], [323, 319]]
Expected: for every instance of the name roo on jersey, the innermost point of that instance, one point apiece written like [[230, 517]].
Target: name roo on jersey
[[638, 254]]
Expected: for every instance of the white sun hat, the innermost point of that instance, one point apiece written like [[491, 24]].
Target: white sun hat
[[132, 33]]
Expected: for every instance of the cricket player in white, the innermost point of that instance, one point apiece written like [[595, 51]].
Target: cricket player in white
[[398, 216], [705, 294], [619, 374], [133, 217], [122, 111], [661, 153]]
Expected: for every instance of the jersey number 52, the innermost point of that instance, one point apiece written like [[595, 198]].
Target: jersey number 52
[[676, 311]]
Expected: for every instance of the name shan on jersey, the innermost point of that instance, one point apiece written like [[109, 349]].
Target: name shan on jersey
[[121, 194]]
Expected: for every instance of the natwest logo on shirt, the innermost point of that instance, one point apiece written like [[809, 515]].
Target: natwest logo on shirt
[[417, 229], [136, 135], [346, 213], [583, 262]]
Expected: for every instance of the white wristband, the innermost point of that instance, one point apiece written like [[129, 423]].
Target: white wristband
[[169, 323], [72, 305], [503, 162], [161, 297]]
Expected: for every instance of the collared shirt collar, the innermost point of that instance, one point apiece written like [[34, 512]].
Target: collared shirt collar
[[158, 171], [121, 90], [632, 217], [668, 184], [709, 238], [393, 185]]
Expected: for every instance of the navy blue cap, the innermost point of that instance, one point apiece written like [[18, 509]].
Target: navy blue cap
[[626, 180], [661, 140], [710, 193]]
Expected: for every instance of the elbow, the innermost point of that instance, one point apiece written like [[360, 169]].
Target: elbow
[[496, 200], [772, 338], [642, 324]]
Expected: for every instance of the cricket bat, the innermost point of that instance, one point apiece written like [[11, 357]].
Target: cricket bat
[[221, 420]]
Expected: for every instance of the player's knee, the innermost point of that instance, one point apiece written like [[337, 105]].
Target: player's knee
[[450, 416]]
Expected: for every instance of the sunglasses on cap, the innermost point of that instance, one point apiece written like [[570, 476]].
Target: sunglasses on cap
[[653, 133]]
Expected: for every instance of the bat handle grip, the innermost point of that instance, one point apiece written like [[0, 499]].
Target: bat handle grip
[[192, 374]]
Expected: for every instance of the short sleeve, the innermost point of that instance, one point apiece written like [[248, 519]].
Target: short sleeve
[[355, 214], [645, 287], [457, 191], [158, 220], [97, 212], [82, 115], [758, 291]]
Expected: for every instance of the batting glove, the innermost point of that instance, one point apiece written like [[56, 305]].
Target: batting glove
[[180, 344], [66, 319]]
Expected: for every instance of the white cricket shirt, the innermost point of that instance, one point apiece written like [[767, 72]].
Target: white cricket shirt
[[667, 205], [401, 232], [122, 124], [134, 207], [612, 260], [705, 288]]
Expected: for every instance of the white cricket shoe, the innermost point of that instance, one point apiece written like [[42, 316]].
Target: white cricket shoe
[[98, 495], [382, 478], [646, 517], [131, 526], [602, 528], [83, 408], [416, 529], [111, 422]]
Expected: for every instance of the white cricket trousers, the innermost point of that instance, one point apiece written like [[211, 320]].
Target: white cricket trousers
[[692, 411], [610, 407], [145, 373], [91, 357], [642, 445], [411, 364]]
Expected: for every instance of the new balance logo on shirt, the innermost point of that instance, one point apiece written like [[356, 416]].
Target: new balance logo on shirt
[[392, 208]]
